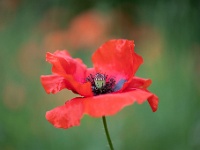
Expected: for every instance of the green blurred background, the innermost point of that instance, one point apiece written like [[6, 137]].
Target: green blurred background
[[166, 34]]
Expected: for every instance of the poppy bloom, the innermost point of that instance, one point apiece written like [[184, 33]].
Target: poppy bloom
[[105, 89]]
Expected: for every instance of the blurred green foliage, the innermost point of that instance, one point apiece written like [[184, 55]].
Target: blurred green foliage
[[166, 34]]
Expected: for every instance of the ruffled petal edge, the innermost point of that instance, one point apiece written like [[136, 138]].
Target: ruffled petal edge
[[68, 73], [117, 59], [68, 115], [110, 104], [138, 82], [53, 83]]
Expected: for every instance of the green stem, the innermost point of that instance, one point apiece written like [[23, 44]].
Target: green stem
[[107, 133]]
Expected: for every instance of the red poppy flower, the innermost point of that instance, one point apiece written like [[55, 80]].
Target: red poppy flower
[[105, 89]]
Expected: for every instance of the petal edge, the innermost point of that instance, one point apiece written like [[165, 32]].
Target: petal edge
[[110, 104], [66, 116], [53, 83]]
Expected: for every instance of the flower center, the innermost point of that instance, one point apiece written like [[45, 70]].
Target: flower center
[[101, 84]]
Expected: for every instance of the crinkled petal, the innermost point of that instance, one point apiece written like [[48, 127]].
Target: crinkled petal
[[90, 71], [137, 61], [53, 83], [63, 64], [110, 104], [68, 115], [117, 58], [141, 83], [153, 102], [72, 70], [138, 82]]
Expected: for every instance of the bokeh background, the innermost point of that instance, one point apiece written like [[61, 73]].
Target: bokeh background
[[166, 34]]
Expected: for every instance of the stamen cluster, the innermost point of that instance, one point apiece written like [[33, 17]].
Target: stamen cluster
[[101, 84]]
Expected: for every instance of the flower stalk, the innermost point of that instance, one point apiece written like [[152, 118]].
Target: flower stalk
[[107, 133]]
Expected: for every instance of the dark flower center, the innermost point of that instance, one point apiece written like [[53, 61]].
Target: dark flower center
[[101, 84]]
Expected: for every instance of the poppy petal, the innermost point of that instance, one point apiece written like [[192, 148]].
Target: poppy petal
[[138, 82], [63, 64], [72, 70], [142, 83], [62, 53], [68, 115], [110, 104], [90, 71], [53, 83], [153, 102], [137, 61], [117, 57]]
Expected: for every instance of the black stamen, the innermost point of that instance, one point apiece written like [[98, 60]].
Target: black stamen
[[101, 84]]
